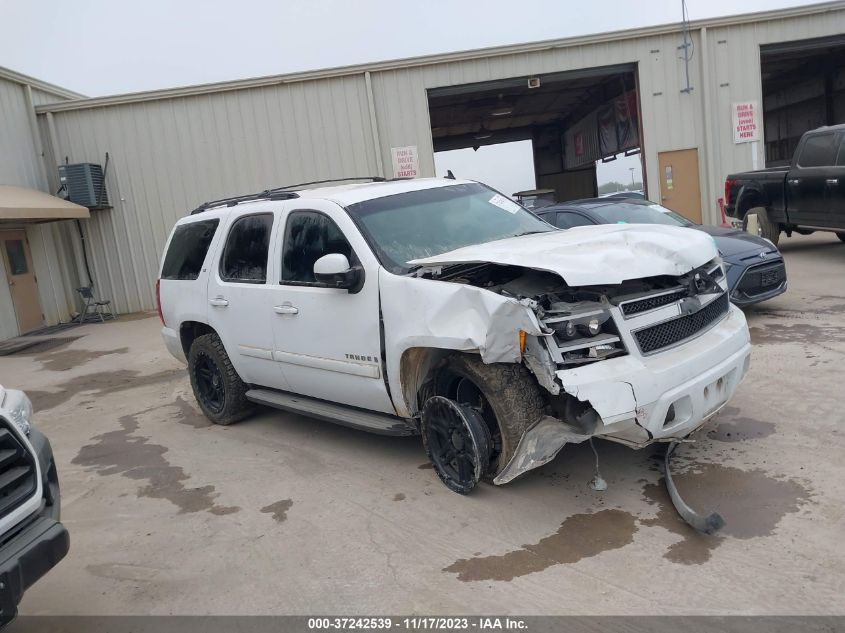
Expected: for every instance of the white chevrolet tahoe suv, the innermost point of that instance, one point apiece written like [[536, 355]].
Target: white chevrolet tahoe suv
[[442, 308]]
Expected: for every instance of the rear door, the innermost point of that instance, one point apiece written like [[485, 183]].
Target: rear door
[[836, 187], [240, 297], [810, 179], [328, 340]]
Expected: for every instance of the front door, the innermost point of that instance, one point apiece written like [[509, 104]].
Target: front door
[[679, 187], [23, 285], [328, 340]]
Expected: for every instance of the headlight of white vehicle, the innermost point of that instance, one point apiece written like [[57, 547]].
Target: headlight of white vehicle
[[17, 408], [583, 332]]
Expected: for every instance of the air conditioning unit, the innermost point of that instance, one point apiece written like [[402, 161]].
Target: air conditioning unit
[[84, 185]]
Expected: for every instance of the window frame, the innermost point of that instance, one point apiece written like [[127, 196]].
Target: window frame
[[840, 152], [225, 246], [807, 140], [353, 259], [208, 251]]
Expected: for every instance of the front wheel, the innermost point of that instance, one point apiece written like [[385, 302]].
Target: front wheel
[[505, 395], [219, 390]]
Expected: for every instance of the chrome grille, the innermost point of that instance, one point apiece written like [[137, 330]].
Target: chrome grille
[[662, 335], [17, 471], [650, 303]]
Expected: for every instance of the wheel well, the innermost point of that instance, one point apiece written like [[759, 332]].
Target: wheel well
[[189, 331], [416, 367], [749, 200]]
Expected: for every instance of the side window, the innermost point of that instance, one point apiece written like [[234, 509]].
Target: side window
[[245, 256], [187, 250], [566, 220], [840, 158], [308, 236], [819, 150]]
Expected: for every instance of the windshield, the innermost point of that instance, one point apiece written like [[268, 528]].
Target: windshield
[[633, 213], [429, 222]]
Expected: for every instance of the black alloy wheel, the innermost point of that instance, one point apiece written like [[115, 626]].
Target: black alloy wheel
[[457, 442], [211, 390]]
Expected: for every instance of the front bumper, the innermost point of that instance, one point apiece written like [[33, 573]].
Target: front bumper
[[35, 545], [26, 557], [745, 282], [669, 395]]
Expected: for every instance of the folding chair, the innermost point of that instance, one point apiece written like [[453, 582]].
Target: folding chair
[[93, 307]]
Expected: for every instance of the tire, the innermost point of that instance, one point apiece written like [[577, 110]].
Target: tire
[[506, 395], [768, 229], [219, 391]]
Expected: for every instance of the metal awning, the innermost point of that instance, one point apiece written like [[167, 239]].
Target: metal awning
[[19, 204]]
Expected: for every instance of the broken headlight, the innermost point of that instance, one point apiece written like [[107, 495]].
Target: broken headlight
[[17, 408], [581, 332]]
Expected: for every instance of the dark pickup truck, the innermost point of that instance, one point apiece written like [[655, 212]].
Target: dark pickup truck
[[807, 196]]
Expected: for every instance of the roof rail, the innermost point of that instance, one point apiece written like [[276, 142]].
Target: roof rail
[[277, 193], [268, 194], [322, 182]]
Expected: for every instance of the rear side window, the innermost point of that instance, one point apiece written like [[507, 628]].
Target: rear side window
[[245, 256], [187, 250], [566, 220], [308, 236], [819, 150]]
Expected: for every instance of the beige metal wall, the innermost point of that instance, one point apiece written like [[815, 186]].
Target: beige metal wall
[[173, 149], [21, 164], [167, 157]]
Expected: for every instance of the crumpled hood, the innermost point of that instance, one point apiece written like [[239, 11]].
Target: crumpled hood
[[594, 255]]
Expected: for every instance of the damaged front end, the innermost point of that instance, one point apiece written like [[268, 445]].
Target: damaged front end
[[638, 362]]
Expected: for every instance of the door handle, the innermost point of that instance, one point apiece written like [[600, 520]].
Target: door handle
[[832, 181], [794, 181], [285, 308], [219, 302]]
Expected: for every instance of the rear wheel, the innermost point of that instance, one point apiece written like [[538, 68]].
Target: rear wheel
[[768, 229], [505, 395], [219, 390]]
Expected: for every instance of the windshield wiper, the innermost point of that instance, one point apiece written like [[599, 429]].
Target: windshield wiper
[[531, 233]]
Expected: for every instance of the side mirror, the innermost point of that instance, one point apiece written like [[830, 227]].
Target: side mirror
[[334, 271]]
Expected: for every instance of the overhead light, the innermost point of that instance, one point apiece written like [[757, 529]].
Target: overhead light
[[504, 112]]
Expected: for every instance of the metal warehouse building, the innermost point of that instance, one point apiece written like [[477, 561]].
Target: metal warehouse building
[[737, 96]]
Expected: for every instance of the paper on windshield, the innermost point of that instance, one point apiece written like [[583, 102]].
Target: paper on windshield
[[505, 203]]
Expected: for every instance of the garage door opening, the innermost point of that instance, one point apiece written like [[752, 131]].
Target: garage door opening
[[507, 167], [803, 88], [571, 120]]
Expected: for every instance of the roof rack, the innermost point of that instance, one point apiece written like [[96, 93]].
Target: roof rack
[[268, 194], [277, 193], [323, 182]]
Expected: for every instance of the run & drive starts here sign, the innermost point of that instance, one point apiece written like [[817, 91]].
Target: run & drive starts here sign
[[746, 122], [406, 163]]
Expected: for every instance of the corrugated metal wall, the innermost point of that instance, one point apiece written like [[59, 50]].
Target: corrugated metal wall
[[169, 154], [166, 157], [50, 244]]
